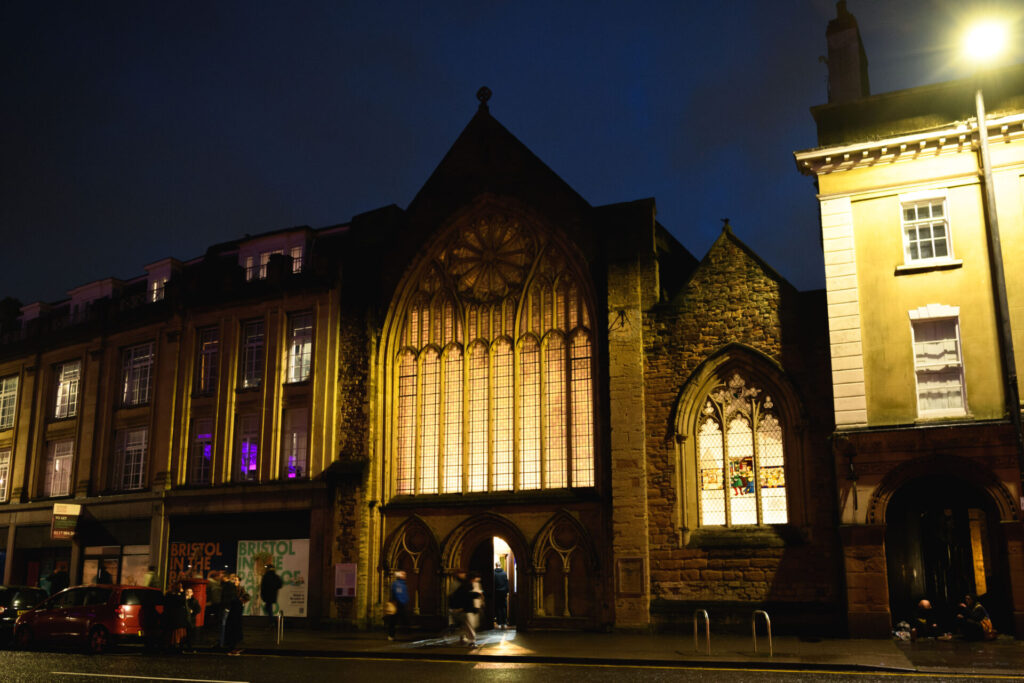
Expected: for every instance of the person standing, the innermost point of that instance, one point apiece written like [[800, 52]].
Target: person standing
[[191, 610], [270, 584], [501, 588], [399, 597], [175, 619], [151, 578]]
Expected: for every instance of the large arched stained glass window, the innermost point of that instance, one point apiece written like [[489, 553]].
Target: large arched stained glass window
[[740, 457], [493, 372]]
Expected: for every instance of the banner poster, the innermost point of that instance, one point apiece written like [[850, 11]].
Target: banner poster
[[290, 558], [195, 559], [64, 521]]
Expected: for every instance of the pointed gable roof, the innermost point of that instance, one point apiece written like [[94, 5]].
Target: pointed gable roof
[[487, 159]]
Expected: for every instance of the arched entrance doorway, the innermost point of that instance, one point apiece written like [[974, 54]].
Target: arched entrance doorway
[[489, 555], [942, 541]]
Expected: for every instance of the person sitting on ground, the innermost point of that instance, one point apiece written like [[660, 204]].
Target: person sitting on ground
[[925, 624], [974, 621]]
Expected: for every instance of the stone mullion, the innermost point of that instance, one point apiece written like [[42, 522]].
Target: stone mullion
[[417, 446], [755, 418]]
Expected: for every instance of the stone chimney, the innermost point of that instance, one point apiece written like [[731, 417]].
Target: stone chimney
[[847, 61]]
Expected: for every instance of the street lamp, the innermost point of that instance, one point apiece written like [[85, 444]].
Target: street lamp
[[983, 43]]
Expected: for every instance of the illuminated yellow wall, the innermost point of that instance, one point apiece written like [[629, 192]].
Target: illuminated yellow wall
[[887, 294]]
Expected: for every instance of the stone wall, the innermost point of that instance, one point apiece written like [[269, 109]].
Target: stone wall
[[735, 299]]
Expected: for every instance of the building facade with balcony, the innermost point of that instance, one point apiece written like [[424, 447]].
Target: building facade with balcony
[[926, 451]]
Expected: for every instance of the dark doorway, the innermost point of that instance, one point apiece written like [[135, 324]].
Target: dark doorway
[[942, 541], [488, 553]]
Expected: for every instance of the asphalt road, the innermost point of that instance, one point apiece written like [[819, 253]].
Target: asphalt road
[[57, 667]]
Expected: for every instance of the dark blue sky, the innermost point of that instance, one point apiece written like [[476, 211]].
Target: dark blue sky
[[131, 131]]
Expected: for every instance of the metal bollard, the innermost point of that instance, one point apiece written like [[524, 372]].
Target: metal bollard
[[280, 626], [753, 629], [707, 630]]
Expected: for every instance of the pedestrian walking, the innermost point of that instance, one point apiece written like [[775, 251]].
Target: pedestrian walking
[[398, 610], [151, 578], [501, 588], [59, 579], [477, 592], [270, 584], [460, 607]]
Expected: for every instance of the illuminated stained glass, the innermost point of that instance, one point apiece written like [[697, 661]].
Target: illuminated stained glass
[[529, 415], [582, 413], [503, 415], [430, 423], [406, 422], [742, 498], [495, 411], [478, 418], [453, 420], [742, 479], [554, 413], [772, 470], [709, 461]]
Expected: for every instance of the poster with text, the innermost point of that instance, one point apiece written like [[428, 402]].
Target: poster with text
[[290, 558]]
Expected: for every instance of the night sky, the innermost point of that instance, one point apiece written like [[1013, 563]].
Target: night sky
[[132, 131]]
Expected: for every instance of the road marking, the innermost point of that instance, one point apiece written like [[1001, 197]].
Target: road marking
[[668, 667], [143, 678]]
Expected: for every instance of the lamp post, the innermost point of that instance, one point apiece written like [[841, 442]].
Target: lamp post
[[984, 42]]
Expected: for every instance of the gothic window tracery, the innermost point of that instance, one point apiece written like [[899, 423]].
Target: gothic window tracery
[[741, 458], [494, 370]]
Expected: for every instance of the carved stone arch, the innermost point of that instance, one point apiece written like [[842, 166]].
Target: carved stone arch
[[964, 469], [454, 545], [753, 363], [563, 531], [412, 537], [413, 547], [761, 372]]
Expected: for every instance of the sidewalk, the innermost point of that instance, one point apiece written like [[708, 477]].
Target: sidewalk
[[1004, 656]]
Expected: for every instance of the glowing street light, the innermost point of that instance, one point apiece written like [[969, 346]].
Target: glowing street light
[[983, 44]]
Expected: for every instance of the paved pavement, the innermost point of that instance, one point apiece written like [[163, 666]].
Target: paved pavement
[[1004, 656]]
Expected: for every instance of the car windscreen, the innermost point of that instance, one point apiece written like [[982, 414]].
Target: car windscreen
[[28, 597], [5, 596]]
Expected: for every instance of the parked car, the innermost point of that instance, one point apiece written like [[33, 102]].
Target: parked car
[[15, 601], [94, 617]]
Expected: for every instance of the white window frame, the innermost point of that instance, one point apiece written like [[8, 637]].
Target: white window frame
[[917, 199], [130, 451], [936, 313], [253, 344], [69, 376], [60, 457], [137, 374], [8, 401], [5, 474], [300, 346]]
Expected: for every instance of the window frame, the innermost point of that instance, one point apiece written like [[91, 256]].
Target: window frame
[[199, 471], [247, 435], [6, 455], [65, 402], [137, 363], [53, 460], [8, 401], [715, 407], [130, 476], [207, 360], [935, 314], [299, 365], [913, 201], [295, 423], [252, 355]]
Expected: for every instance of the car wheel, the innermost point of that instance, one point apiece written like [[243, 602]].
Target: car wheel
[[23, 638], [99, 639]]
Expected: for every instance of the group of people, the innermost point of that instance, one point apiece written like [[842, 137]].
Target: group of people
[[226, 600], [465, 604], [179, 618], [971, 620]]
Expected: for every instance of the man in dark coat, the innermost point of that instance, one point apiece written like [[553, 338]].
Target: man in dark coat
[[500, 596], [270, 584]]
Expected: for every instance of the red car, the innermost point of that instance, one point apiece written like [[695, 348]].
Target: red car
[[93, 616]]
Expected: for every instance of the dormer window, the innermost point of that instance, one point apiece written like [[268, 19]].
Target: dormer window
[[254, 255], [157, 276]]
